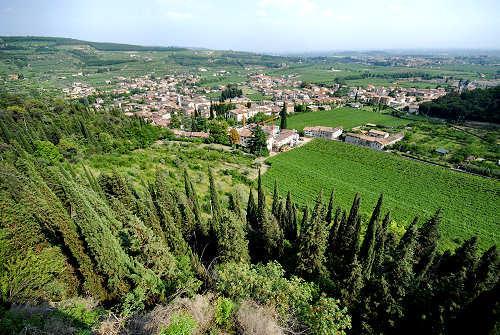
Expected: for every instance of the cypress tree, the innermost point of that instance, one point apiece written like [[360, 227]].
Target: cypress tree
[[336, 222], [251, 212], [283, 116], [212, 111], [380, 244], [162, 202], [352, 286], [329, 211], [214, 198], [276, 201], [232, 244], [312, 244], [487, 271], [235, 205], [53, 214], [428, 236], [305, 219], [367, 251], [289, 219], [193, 199], [266, 240], [346, 242], [401, 271], [333, 251], [261, 198]]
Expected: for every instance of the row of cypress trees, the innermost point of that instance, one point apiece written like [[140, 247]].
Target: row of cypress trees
[[391, 285]]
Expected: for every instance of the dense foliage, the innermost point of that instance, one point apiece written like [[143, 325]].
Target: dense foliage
[[230, 92], [476, 105]]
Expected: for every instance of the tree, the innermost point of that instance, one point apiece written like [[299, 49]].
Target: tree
[[428, 236], [283, 115], [329, 211], [258, 144], [234, 136], [251, 212], [276, 201], [289, 220], [232, 244], [214, 198], [218, 132], [175, 121], [312, 244], [235, 205], [346, 241], [367, 251], [266, 238], [380, 244], [212, 111]]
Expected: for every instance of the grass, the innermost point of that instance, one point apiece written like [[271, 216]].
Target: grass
[[232, 168], [345, 117], [471, 204]]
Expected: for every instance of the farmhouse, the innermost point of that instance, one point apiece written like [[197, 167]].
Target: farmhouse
[[413, 109], [276, 139], [286, 138], [245, 136], [323, 132], [374, 139]]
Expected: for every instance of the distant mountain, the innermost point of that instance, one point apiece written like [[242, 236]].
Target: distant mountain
[[19, 42]]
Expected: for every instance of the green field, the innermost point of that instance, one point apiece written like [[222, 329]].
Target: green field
[[471, 204], [344, 117]]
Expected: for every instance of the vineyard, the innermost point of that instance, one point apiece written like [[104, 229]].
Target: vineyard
[[346, 118], [470, 204]]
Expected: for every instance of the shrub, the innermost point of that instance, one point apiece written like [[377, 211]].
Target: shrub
[[223, 310], [180, 324], [327, 318], [48, 151], [267, 285]]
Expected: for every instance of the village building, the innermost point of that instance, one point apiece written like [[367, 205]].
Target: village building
[[276, 139], [286, 138], [241, 114], [374, 139], [328, 133], [245, 136], [413, 109]]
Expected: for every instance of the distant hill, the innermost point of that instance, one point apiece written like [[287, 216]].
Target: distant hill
[[19, 42]]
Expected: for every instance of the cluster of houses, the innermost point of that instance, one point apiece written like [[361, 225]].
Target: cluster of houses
[[396, 97], [79, 90]]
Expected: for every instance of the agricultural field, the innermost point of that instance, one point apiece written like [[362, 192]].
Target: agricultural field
[[471, 204], [344, 117]]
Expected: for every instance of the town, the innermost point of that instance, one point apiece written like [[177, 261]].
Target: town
[[176, 100]]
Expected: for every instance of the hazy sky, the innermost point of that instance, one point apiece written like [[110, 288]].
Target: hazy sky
[[262, 25]]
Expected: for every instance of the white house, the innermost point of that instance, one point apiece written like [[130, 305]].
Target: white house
[[286, 137], [375, 139], [328, 133]]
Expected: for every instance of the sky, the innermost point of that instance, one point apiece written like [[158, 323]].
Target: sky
[[275, 26]]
